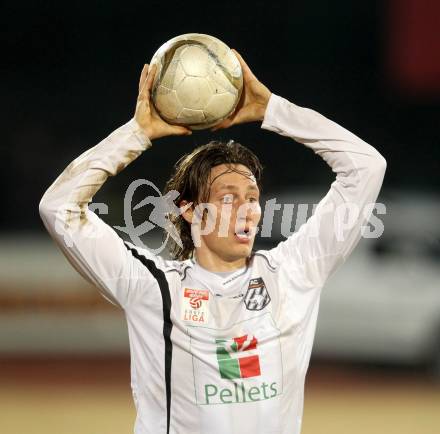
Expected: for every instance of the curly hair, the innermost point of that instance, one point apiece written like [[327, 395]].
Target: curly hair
[[191, 177]]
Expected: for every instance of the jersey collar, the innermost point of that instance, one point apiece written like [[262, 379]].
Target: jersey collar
[[212, 279]]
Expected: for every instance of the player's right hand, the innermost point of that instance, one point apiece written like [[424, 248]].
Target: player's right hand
[[146, 114]]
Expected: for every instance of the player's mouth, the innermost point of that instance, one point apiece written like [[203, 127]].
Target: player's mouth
[[244, 235]]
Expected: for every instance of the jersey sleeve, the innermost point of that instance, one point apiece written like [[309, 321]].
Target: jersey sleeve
[[331, 233], [93, 248]]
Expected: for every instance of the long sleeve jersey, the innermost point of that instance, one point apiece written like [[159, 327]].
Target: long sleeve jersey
[[213, 354]]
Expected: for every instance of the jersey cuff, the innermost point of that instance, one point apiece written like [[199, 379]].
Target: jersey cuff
[[274, 115]]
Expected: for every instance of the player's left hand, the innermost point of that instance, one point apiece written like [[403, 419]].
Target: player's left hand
[[253, 100]]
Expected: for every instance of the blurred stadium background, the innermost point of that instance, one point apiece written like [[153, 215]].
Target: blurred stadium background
[[69, 77]]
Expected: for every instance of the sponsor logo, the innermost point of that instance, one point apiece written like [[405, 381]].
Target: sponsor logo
[[257, 297], [230, 364], [240, 364], [239, 393], [238, 358]]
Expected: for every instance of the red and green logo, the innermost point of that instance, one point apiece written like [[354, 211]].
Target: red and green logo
[[233, 361]]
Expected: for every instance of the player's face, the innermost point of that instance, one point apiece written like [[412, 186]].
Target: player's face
[[234, 197]]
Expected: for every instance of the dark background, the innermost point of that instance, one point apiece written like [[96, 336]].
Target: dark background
[[70, 73]]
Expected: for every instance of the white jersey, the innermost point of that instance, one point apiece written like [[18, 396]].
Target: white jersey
[[213, 354]]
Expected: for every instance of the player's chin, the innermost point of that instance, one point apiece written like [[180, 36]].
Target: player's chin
[[244, 239], [244, 246]]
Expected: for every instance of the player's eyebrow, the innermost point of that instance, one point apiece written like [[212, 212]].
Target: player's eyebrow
[[234, 187]]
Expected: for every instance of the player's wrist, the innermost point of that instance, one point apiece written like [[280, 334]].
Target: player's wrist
[[146, 129], [263, 101], [262, 107]]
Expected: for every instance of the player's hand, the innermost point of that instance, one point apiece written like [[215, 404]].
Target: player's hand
[[253, 100], [146, 114]]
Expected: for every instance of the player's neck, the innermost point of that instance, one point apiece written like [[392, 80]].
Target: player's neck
[[212, 262]]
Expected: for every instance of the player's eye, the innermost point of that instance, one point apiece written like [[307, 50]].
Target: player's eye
[[228, 198]]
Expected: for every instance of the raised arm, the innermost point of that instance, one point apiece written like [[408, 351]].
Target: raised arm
[[332, 232], [329, 236], [90, 245]]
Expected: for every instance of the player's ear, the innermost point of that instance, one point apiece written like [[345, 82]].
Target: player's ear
[[187, 210]]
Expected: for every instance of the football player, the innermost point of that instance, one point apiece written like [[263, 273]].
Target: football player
[[220, 335]]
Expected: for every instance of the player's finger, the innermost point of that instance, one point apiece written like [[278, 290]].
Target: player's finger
[[241, 60], [151, 75], [180, 131], [176, 130], [244, 66], [147, 84], [223, 124], [144, 92], [143, 75]]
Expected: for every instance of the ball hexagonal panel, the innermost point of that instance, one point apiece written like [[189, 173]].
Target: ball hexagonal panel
[[173, 75], [194, 93], [195, 60], [189, 116], [167, 102], [219, 106]]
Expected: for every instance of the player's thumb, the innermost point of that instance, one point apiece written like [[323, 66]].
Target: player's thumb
[[180, 131], [223, 124]]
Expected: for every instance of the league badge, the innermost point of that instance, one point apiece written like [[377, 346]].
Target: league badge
[[195, 306]]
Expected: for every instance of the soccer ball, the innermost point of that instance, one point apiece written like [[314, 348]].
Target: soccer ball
[[198, 81]]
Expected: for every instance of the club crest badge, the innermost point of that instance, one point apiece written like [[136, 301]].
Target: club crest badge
[[257, 297]]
